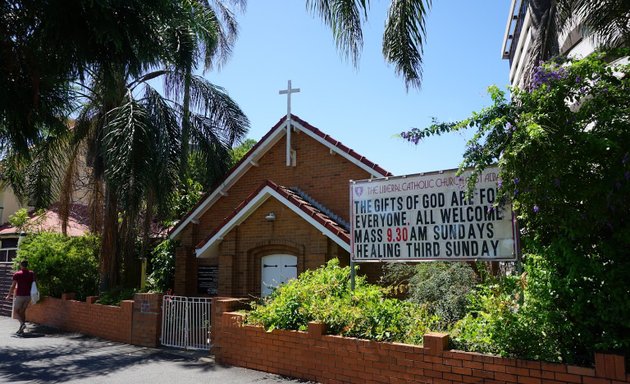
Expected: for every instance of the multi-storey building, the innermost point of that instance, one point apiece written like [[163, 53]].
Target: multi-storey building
[[521, 34]]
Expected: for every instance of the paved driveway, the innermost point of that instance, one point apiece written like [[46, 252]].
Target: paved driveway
[[46, 355]]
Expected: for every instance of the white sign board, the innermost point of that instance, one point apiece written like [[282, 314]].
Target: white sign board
[[428, 217]]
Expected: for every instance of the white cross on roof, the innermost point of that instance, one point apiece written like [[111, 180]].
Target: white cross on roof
[[288, 92]]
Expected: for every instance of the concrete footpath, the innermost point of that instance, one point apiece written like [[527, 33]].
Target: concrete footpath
[[46, 355]]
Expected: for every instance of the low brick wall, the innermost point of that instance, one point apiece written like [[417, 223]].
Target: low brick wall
[[135, 322], [147, 319], [324, 358]]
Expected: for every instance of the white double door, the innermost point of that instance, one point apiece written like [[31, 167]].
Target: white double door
[[275, 270]]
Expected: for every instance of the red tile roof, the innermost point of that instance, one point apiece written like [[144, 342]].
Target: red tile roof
[[292, 198], [340, 146], [50, 221], [327, 138]]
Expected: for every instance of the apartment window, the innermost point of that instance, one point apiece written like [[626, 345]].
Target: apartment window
[[8, 249]]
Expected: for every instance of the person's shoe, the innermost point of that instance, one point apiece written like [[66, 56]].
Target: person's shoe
[[21, 330]]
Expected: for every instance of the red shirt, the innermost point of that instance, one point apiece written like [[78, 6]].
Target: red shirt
[[23, 278]]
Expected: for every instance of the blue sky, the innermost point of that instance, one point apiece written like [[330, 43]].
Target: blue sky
[[365, 107]]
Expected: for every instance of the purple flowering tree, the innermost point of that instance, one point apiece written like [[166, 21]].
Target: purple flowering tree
[[563, 148]]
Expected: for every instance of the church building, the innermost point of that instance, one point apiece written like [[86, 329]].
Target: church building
[[283, 209]]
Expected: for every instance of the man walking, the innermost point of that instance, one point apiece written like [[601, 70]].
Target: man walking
[[21, 291]]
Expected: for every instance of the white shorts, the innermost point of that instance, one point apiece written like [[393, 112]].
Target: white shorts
[[20, 303]]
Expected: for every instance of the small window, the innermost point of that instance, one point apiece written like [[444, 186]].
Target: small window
[[8, 249], [10, 243], [11, 253]]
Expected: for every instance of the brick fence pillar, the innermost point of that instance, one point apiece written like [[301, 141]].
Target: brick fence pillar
[[435, 343], [221, 305], [610, 366], [68, 296], [147, 319], [316, 329]]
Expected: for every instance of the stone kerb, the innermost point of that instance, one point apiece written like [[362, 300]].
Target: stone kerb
[[313, 355]]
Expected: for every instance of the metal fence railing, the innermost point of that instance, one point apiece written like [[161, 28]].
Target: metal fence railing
[[186, 322]]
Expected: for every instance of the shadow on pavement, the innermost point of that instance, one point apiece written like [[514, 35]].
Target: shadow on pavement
[[29, 335], [81, 357]]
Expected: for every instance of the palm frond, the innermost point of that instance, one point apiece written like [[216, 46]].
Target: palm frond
[[344, 18], [217, 29], [127, 143], [208, 149], [13, 168], [163, 176], [36, 178], [146, 77], [404, 38], [213, 102], [174, 84], [608, 21]]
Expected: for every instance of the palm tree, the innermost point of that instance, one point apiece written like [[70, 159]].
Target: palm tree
[[132, 135], [207, 35], [44, 46], [140, 141], [133, 154], [403, 38]]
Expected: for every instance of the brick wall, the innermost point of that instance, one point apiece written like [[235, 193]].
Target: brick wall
[[135, 321], [322, 175], [147, 319], [243, 248], [324, 358]]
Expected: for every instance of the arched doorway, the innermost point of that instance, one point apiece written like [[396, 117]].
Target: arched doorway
[[275, 270]]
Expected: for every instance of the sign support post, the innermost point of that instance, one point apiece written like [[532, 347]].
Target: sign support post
[[352, 274]]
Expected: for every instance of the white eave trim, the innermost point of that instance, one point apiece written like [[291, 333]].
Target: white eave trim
[[248, 209]]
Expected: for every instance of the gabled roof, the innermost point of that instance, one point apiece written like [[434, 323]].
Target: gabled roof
[[289, 198], [257, 151], [50, 221]]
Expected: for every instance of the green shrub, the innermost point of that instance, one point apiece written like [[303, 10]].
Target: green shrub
[[440, 286], [116, 295], [517, 317], [324, 295], [563, 150], [61, 263], [162, 274]]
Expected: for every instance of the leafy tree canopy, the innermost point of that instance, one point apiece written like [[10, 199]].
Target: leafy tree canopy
[[241, 150], [563, 148]]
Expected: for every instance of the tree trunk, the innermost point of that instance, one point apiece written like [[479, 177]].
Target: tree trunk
[[109, 243], [130, 277], [186, 124], [544, 45]]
